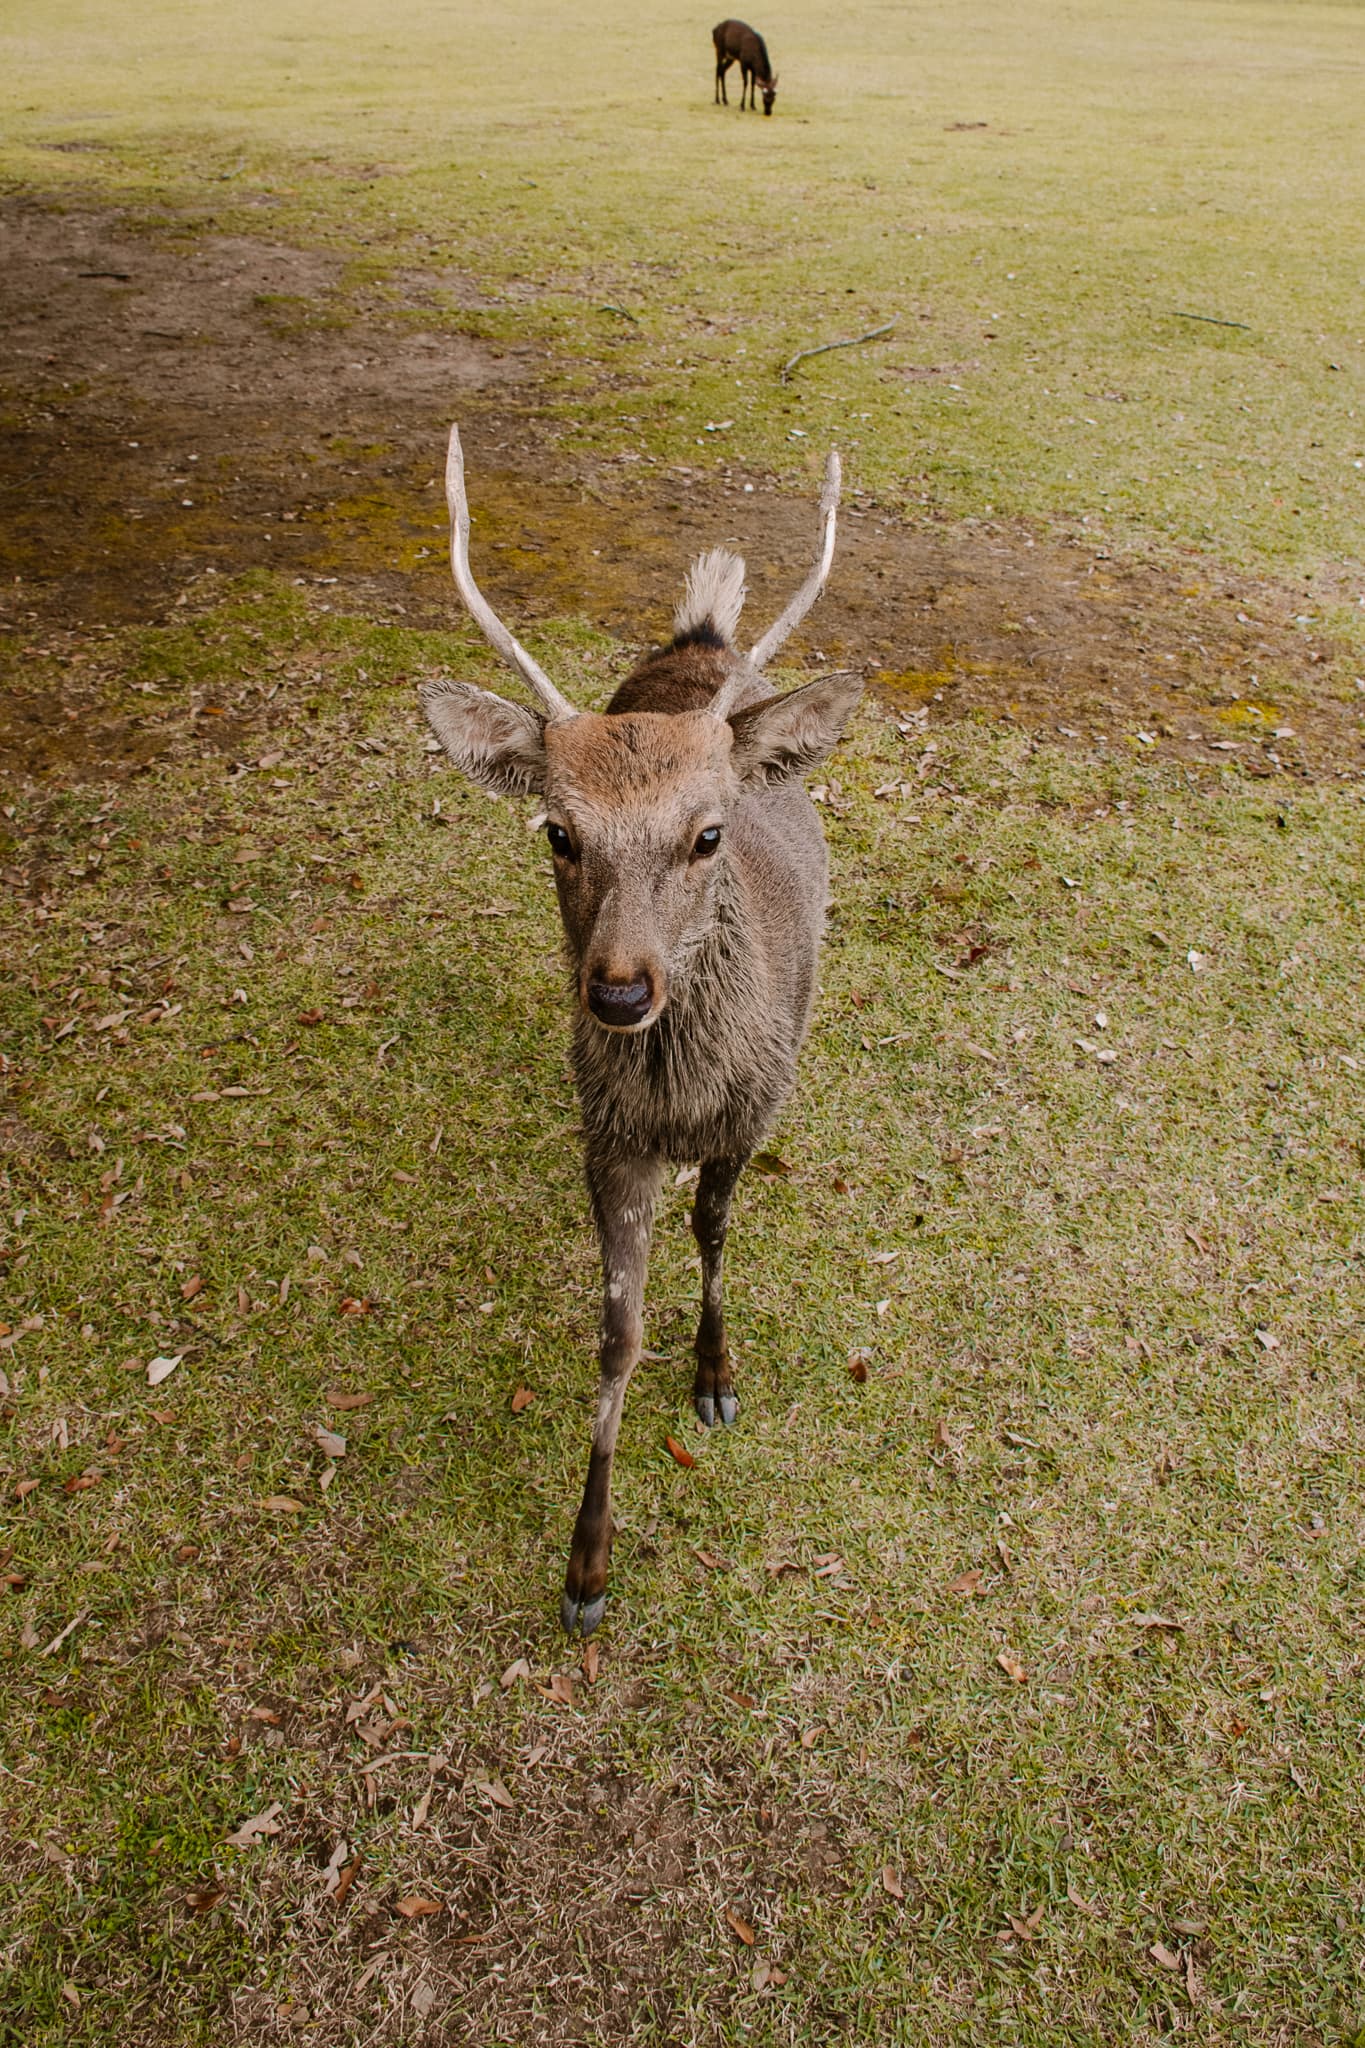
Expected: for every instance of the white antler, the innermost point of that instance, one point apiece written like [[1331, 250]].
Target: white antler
[[815, 582], [508, 646]]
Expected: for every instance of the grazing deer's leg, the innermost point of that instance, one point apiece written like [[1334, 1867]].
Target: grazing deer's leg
[[713, 1389], [623, 1191]]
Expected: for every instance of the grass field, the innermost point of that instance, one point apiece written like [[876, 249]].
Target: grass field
[[1000, 1677]]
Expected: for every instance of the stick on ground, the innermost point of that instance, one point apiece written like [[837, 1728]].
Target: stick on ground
[[854, 341]]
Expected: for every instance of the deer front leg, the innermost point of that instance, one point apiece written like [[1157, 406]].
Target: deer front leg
[[713, 1388], [623, 1192]]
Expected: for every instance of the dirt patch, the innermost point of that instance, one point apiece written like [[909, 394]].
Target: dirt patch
[[179, 403]]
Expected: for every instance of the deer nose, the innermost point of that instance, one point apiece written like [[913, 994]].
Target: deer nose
[[620, 1003]]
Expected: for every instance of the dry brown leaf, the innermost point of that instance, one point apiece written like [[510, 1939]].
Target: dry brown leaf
[[165, 1416], [857, 1367], [828, 1565], [559, 1691], [891, 1881], [25, 1487], [522, 1398], [161, 1369], [1086, 1905], [415, 1907], [206, 1898], [742, 1699], [677, 1451], [265, 1714], [966, 1582], [591, 1658], [193, 1286], [739, 1927], [1155, 1621], [422, 1808], [521, 1669], [1012, 1666], [712, 1562], [282, 1504], [810, 1736], [1161, 1954], [338, 1398], [329, 1443], [252, 1831], [81, 1482]]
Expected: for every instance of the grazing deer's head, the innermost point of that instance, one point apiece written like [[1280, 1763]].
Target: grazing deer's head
[[637, 805], [770, 94]]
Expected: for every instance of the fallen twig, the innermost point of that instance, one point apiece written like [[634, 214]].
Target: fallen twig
[[1209, 320], [853, 341]]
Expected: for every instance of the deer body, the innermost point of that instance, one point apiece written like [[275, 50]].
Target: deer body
[[735, 42], [691, 874]]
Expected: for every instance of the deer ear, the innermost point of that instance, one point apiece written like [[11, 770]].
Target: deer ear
[[788, 735], [500, 746]]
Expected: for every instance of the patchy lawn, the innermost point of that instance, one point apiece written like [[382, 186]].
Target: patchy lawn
[[1000, 1676]]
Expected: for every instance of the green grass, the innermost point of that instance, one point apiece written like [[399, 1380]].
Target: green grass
[[1066, 1392], [1036, 196]]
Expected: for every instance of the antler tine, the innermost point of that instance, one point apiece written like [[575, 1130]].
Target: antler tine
[[805, 597], [508, 646]]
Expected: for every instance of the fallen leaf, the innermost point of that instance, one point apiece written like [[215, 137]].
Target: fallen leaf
[[677, 1452], [352, 1305], [522, 1398], [161, 1369], [891, 1881], [966, 1582], [592, 1657], [264, 1714], [24, 1487], [204, 1900], [1011, 1665], [281, 1504], [1267, 1340], [810, 1736], [521, 1669], [1085, 1905], [192, 1287], [70, 1993], [559, 1690], [165, 1416], [1161, 1954], [742, 1699], [329, 1442], [828, 1565], [347, 1402], [1155, 1621], [416, 1908], [252, 1831], [310, 1017], [739, 1927], [857, 1367], [772, 1164], [712, 1562], [81, 1482]]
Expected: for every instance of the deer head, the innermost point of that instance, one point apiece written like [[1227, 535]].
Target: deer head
[[770, 94], [638, 806]]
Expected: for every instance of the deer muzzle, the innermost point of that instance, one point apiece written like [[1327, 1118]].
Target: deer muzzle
[[621, 1005]]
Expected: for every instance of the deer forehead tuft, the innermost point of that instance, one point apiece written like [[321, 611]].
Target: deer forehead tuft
[[639, 760]]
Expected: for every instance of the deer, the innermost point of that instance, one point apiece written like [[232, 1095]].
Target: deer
[[691, 872], [736, 40]]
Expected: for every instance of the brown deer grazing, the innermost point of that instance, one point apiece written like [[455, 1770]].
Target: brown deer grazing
[[736, 40], [691, 872]]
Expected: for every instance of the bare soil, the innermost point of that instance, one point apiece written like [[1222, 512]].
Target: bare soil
[[175, 403]]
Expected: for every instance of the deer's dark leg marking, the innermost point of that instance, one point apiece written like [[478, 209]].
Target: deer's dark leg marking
[[623, 1192], [713, 1390]]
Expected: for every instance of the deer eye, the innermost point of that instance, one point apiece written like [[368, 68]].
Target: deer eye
[[560, 843], [706, 843]]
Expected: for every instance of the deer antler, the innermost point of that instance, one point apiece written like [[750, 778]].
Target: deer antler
[[507, 645], [805, 597]]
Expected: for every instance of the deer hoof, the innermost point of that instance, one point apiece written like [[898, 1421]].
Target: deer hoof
[[706, 1410], [581, 1617], [729, 1409]]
